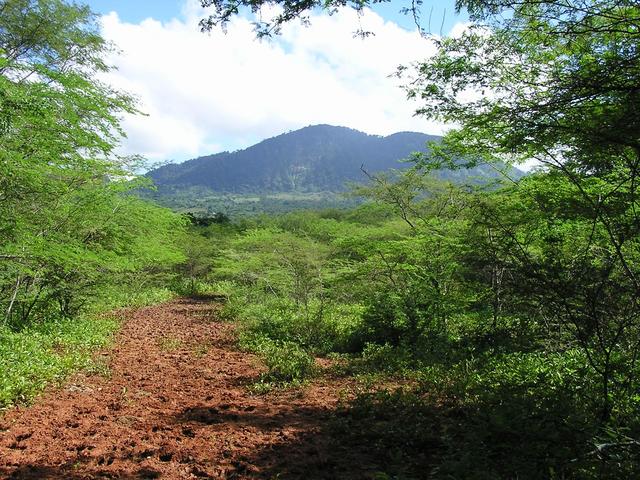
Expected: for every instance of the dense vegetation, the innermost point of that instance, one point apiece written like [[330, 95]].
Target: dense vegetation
[[203, 202], [308, 169], [319, 160], [313, 159], [456, 296], [514, 311], [72, 241]]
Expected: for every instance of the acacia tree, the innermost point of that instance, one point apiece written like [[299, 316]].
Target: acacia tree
[[561, 86], [65, 223], [557, 81], [289, 10]]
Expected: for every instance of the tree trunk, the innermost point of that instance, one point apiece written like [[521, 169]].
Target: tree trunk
[[13, 299]]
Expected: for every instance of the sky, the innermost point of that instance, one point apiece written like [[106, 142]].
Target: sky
[[202, 93]]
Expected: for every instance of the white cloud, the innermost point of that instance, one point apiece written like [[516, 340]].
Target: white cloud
[[207, 92]]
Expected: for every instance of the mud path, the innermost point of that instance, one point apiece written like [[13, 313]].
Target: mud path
[[175, 405]]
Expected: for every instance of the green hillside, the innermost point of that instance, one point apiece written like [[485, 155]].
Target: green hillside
[[319, 158]]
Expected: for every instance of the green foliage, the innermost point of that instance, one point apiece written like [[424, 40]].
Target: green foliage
[[131, 294], [289, 10], [200, 253], [68, 228], [316, 160], [509, 311], [287, 363], [277, 283], [329, 330], [386, 358], [399, 429], [31, 359], [307, 169], [204, 201], [49, 351], [170, 344], [446, 291], [563, 82]]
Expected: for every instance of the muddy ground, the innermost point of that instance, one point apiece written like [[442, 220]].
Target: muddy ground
[[175, 403]]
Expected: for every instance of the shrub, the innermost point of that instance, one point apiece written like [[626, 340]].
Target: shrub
[[286, 361]]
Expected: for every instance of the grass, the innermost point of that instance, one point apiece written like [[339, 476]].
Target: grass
[[201, 349], [48, 353], [288, 364], [169, 344]]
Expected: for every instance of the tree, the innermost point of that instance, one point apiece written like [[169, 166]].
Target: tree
[[560, 81], [290, 10], [66, 223]]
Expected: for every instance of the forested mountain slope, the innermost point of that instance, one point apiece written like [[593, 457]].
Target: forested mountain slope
[[312, 159]]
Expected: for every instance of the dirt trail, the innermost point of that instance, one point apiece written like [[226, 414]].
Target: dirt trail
[[175, 405]]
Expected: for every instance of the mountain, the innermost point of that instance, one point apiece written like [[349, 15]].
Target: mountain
[[313, 159]]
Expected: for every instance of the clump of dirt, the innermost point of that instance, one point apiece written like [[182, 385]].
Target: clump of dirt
[[175, 405]]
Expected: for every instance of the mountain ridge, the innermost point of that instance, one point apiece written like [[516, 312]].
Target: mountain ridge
[[312, 159]]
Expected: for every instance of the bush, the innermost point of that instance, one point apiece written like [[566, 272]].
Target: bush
[[286, 361], [386, 358]]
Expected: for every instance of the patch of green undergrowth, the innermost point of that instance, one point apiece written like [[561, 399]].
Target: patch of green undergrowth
[[47, 353], [287, 363], [117, 297], [485, 358], [317, 328], [201, 349], [169, 343]]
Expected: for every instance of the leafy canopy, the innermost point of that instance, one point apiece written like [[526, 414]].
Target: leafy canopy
[[66, 223], [288, 10]]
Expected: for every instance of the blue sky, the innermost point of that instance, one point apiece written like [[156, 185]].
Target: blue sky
[[205, 93], [137, 10], [441, 12]]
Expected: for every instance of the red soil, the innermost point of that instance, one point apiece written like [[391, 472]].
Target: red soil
[[176, 405]]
